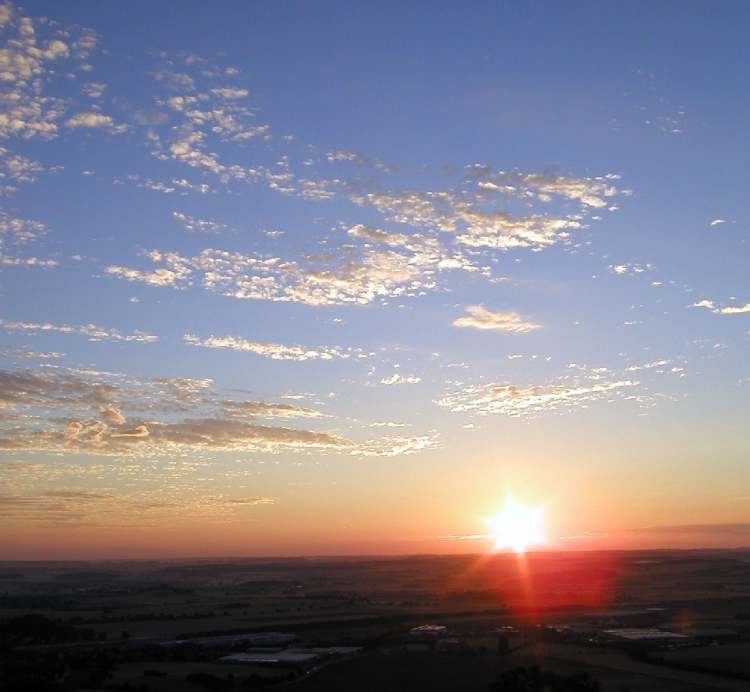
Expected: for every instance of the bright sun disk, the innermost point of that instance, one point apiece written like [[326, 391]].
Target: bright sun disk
[[517, 527]]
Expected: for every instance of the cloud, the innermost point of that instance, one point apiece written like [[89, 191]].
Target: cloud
[[29, 262], [52, 389], [93, 120], [248, 501], [197, 115], [6, 12], [176, 274], [103, 414], [727, 529], [195, 225], [38, 57], [36, 355], [341, 155], [507, 321], [113, 415], [94, 90], [236, 435], [180, 186], [151, 439], [474, 215], [462, 214], [92, 331], [69, 508], [18, 230], [15, 168], [515, 401], [262, 409], [272, 351], [397, 378], [230, 94], [397, 446], [182, 388], [629, 269], [726, 310], [591, 192], [359, 276], [648, 366]]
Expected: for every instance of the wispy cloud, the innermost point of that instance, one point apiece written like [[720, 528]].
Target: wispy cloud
[[273, 351], [515, 401], [480, 317], [92, 331], [193, 224], [398, 378]]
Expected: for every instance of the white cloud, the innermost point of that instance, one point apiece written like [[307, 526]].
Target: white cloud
[[39, 59], [29, 262], [180, 186], [648, 366], [19, 230], [36, 355], [629, 269], [515, 401], [462, 214], [93, 120], [726, 310], [476, 214], [92, 331], [341, 155], [507, 321], [397, 378], [15, 168], [230, 94], [591, 192], [176, 274], [90, 119], [272, 351], [193, 224], [358, 276]]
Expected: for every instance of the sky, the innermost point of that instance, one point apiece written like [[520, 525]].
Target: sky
[[339, 278]]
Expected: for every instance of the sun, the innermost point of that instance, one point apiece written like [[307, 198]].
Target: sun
[[517, 527]]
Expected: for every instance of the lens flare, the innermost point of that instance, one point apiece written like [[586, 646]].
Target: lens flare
[[517, 527]]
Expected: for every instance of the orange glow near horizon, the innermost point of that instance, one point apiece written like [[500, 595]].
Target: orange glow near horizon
[[517, 527]]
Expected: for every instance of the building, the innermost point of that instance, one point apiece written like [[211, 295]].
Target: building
[[429, 632], [646, 635]]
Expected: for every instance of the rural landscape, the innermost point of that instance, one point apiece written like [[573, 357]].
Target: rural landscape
[[673, 621]]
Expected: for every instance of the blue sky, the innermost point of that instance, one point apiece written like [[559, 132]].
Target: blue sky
[[269, 262]]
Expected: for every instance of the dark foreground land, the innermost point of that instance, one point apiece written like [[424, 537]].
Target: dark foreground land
[[666, 621]]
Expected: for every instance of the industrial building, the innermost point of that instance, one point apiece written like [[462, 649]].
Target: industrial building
[[429, 632]]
